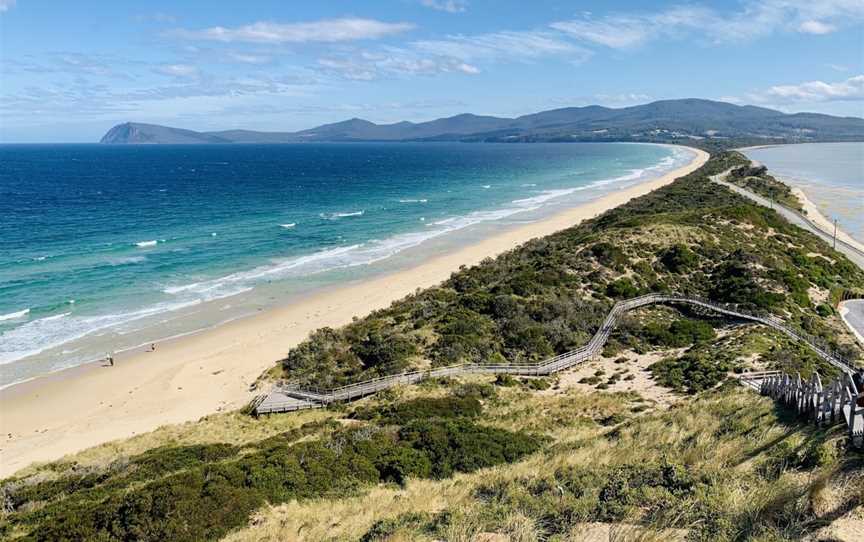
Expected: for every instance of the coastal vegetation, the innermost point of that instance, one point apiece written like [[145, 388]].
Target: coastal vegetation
[[756, 179], [688, 455], [550, 295]]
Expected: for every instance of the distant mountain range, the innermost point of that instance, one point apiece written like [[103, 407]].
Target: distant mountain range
[[667, 120]]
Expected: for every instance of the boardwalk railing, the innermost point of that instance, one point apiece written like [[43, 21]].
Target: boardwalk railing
[[830, 404], [292, 396]]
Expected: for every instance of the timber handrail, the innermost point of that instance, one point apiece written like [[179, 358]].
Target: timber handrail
[[836, 402], [557, 363]]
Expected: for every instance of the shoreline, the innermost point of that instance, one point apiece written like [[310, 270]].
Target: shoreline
[[211, 371], [821, 221], [812, 212]]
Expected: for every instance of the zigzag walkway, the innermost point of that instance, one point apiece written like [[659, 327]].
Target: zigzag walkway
[[288, 397]]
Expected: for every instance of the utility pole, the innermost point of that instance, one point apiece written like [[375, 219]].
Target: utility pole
[[835, 234]]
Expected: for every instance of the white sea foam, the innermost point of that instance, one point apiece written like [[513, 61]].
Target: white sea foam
[[310, 263], [144, 244], [14, 315], [127, 261], [335, 216], [349, 256], [413, 200], [53, 331], [545, 196], [487, 186], [288, 226]]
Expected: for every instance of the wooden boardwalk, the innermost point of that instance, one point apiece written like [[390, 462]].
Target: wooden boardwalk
[[286, 397]]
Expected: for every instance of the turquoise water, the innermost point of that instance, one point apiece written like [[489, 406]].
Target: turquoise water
[[103, 248], [830, 174]]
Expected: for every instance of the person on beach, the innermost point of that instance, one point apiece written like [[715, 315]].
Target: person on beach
[[152, 347], [110, 359]]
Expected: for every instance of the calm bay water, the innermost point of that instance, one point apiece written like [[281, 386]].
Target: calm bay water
[[830, 174], [104, 248]]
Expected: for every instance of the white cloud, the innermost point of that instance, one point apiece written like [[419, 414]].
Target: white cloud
[[624, 99], [393, 61], [177, 70], [327, 31], [453, 54], [615, 32], [851, 89], [816, 27], [450, 6], [757, 18], [6, 5], [807, 94], [501, 45], [249, 58]]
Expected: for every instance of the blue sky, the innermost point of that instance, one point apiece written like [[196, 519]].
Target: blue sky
[[71, 70]]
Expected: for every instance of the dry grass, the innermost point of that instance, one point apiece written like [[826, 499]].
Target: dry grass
[[706, 438]]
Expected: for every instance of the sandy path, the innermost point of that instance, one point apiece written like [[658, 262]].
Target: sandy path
[[188, 378]]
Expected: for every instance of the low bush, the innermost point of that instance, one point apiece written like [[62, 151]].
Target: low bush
[[460, 446], [572, 495], [691, 373], [505, 380], [622, 289], [538, 384], [475, 389], [424, 408], [679, 258], [680, 333], [216, 493]]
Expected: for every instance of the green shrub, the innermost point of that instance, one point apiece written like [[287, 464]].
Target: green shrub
[[461, 446], [536, 383], [692, 372], [388, 353], [207, 499], [477, 390], [423, 408], [679, 258], [622, 289], [680, 333], [505, 380], [383, 529]]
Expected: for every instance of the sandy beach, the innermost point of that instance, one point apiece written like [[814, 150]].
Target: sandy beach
[[821, 222], [211, 371]]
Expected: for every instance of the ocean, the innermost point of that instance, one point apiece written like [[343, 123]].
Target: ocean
[[830, 174], [104, 248]]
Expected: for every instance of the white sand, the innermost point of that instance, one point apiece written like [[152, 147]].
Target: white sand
[[185, 379]]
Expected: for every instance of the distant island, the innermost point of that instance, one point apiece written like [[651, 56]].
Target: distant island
[[701, 122]]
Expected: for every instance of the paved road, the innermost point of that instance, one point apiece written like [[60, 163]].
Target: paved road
[[854, 316], [853, 254]]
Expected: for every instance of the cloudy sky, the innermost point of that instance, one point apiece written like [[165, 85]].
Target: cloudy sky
[[71, 70]]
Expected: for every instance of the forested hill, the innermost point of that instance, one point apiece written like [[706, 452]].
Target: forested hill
[[687, 120]]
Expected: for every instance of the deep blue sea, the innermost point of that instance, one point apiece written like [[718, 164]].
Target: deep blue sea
[[103, 248]]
